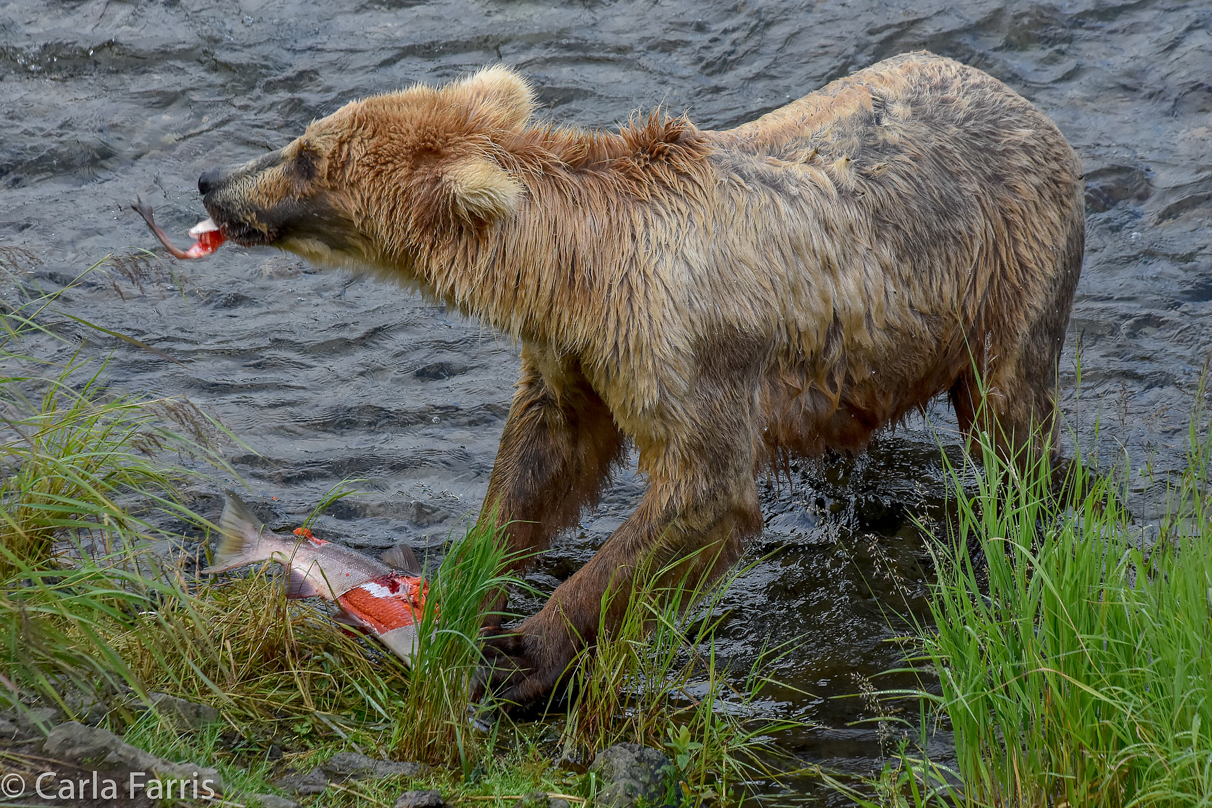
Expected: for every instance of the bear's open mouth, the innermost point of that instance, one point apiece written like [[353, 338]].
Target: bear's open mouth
[[246, 234]]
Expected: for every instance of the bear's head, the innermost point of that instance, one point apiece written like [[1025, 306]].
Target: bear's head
[[373, 183]]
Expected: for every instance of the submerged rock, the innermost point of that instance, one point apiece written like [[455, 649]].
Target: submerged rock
[[630, 773]]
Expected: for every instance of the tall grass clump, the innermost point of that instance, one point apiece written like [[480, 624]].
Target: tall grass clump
[[87, 467], [435, 723], [278, 669], [1074, 650], [657, 680], [55, 628]]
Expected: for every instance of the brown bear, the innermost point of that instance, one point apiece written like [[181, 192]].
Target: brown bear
[[718, 299]]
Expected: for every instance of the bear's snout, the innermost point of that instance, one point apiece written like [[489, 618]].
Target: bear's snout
[[208, 180]]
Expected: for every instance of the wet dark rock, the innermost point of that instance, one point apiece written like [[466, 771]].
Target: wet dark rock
[[93, 714], [281, 268], [541, 799], [345, 766], [535, 799], [90, 706], [271, 801], [87, 708], [35, 720], [9, 731], [304, 783], [353, 766], [629, 774], [420, 799], [184, 714], [101, 749], [218, 299], [424, 514]]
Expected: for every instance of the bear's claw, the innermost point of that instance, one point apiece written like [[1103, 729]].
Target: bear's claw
[[512, 672]]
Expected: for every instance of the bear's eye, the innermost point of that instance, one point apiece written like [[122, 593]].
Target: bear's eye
[[305, 165]]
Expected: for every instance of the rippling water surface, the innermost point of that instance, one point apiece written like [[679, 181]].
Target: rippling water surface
[[327, 377]]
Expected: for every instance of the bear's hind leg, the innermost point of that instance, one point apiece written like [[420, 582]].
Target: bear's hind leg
[[1005, 409], [1018, 416], [1010, 390]]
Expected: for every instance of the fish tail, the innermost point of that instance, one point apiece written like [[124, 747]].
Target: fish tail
[[403, 640], [241, 535]]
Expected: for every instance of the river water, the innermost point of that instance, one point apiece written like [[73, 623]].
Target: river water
[[327, 377]]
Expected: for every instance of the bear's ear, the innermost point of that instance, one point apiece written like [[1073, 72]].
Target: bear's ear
[[498, 96], [481, 191]]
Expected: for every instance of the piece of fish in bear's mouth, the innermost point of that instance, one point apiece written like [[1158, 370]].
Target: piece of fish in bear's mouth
[[207, 236]]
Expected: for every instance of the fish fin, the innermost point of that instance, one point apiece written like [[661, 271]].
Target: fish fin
[[241, 531], [297, 586], [347, 619], [401, 558]]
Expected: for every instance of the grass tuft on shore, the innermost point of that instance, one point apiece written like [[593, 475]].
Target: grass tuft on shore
[[85, 467], [435, 723], [83, 478]]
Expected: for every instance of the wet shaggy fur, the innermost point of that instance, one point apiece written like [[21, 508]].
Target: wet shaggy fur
[[719, 299]]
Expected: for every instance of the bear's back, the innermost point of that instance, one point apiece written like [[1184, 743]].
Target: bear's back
[[906, 104]]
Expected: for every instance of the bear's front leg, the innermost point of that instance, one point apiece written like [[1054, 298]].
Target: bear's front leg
[[556, 452], [700, 520]]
